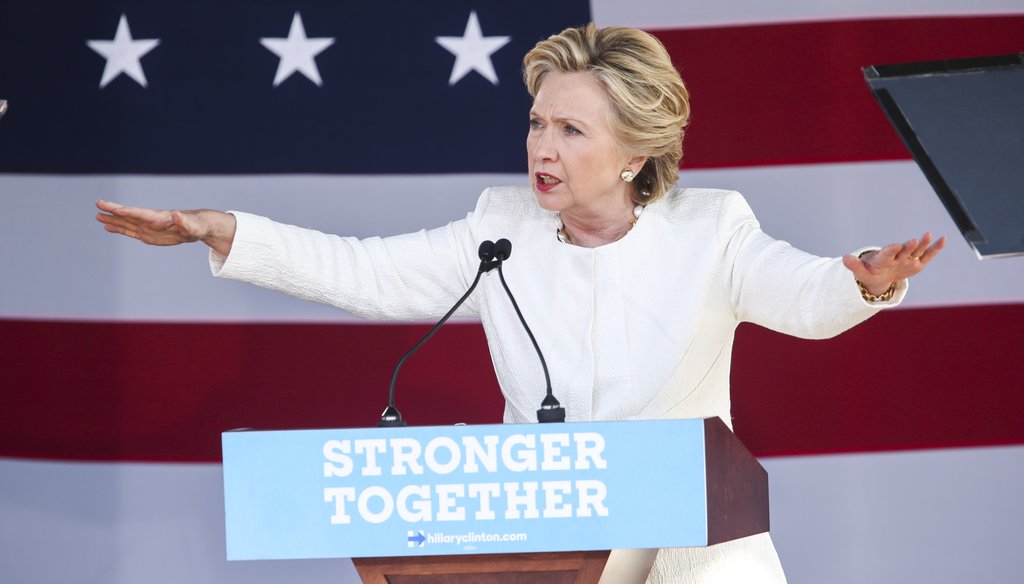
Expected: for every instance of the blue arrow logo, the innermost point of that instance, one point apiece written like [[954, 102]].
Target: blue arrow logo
[[415, 537]]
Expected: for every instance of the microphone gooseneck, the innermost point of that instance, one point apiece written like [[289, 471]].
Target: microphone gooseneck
[[550, 410], [391, 417]]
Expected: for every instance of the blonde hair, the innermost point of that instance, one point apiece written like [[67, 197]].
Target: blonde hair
[[649, 104]]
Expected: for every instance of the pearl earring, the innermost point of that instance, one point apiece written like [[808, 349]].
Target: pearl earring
[[627, 175]]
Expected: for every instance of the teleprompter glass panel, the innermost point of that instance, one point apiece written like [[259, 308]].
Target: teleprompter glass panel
[[963, 122]]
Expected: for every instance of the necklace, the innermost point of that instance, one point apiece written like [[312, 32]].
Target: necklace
[[564, 236]]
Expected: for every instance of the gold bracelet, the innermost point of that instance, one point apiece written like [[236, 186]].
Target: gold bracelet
[[883, 297]]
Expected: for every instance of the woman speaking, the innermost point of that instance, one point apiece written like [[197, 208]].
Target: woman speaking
[[633, 285]]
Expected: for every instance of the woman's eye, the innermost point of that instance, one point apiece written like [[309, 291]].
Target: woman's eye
[[571, 130], [534, 124]]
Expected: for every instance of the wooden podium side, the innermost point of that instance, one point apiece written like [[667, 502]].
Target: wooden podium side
[[737, 486], [533, 568]]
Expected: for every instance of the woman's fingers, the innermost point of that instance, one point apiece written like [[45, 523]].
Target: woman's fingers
[[922, 251], [121, 229], [887, 254], [907, 250], [116, 214], [147, 225], [108, 206], [114, 221], [922, 246], [932, 251], [114, 229], [884, 259], [118, 225], [116, 209], [138, 214]]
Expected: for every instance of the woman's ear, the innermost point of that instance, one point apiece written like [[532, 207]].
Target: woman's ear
[[636, 163]]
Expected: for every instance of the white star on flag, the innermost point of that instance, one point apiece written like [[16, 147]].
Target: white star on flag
[[297, 52], [123, 54], [472, 51]]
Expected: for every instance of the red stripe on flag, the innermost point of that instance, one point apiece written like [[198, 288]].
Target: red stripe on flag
[[795, 93], [108, 391], [905, 379], [166, 391]]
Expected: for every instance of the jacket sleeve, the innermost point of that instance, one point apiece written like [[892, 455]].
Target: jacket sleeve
[[410, 276], [777, 286]]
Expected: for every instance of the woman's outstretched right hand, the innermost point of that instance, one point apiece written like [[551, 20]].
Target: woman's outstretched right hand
[[214, 228]]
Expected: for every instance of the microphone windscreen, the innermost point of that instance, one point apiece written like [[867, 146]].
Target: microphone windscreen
[[486, 250], [502, 249]]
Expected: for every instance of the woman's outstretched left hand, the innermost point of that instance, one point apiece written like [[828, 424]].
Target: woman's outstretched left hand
[[877, 270]]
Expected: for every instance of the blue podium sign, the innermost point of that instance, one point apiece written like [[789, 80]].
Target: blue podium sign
[[465, 489]]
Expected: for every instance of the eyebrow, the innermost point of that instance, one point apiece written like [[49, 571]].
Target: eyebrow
[[573, 121]]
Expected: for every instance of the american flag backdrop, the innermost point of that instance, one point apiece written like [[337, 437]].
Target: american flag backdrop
[[896, 451]]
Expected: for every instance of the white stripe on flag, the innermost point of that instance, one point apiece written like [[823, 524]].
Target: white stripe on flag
[[936, 516], [128, 523], [67, 268]]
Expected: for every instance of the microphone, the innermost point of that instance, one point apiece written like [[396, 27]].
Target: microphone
[[3, 107], [502, 250], [550, 410], [391, 417]]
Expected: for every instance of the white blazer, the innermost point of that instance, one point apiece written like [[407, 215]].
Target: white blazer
[[638, 328]]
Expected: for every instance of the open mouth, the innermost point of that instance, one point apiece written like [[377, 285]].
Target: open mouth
[[546, 182]]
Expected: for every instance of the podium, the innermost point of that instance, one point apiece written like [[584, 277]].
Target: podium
[[531, 503]]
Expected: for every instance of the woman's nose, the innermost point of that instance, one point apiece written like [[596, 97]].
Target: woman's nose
[[542, 147]]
